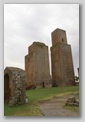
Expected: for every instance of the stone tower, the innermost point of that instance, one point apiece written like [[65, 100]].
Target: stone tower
[[61, 59], [37, 66]]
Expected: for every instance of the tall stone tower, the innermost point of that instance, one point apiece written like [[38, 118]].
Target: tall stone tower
[[37, 66], [61, 59]]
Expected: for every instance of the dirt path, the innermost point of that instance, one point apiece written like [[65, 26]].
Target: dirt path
[[55, 107]]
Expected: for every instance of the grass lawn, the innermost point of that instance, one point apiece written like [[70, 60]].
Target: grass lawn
[[31, 108]]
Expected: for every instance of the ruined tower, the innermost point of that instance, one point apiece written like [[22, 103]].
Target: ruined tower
[[61, 59], [14, 86], [37, 66]]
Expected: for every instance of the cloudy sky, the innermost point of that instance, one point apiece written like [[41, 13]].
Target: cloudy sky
[[26, 23]]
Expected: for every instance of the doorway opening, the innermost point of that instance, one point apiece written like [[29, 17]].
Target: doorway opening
[[6, 89], [43, 84]]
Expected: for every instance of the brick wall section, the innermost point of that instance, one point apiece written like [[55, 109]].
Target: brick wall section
[[29, 68], [61, 58], [37, 66]]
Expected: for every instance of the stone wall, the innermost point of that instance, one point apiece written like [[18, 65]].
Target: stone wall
[[61, 58], [14, 86], [37, 66]]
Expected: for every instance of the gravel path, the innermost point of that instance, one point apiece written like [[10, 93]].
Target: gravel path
[[55, 107]]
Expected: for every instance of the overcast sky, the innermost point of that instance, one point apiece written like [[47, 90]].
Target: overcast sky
[[26, 23]]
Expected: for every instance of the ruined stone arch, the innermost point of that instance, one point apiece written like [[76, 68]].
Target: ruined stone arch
[[14, 86]]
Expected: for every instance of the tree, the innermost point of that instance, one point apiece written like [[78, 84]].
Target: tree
[[76, 78]]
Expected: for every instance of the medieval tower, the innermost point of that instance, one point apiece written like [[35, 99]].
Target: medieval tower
[[37, 66], [61, 59]]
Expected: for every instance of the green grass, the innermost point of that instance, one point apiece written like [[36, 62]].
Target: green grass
[[31, 108], [23, 110]]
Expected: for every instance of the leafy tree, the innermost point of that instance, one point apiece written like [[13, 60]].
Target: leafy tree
[[76, 78]]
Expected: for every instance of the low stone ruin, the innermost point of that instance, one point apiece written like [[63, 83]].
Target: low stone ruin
[[14, 86], [72, 101]]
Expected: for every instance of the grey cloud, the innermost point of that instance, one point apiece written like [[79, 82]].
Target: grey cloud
[[25, 23]]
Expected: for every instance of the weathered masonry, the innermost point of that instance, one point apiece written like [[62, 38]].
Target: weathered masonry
[[37, 66], [14, 86], [61, 59]]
